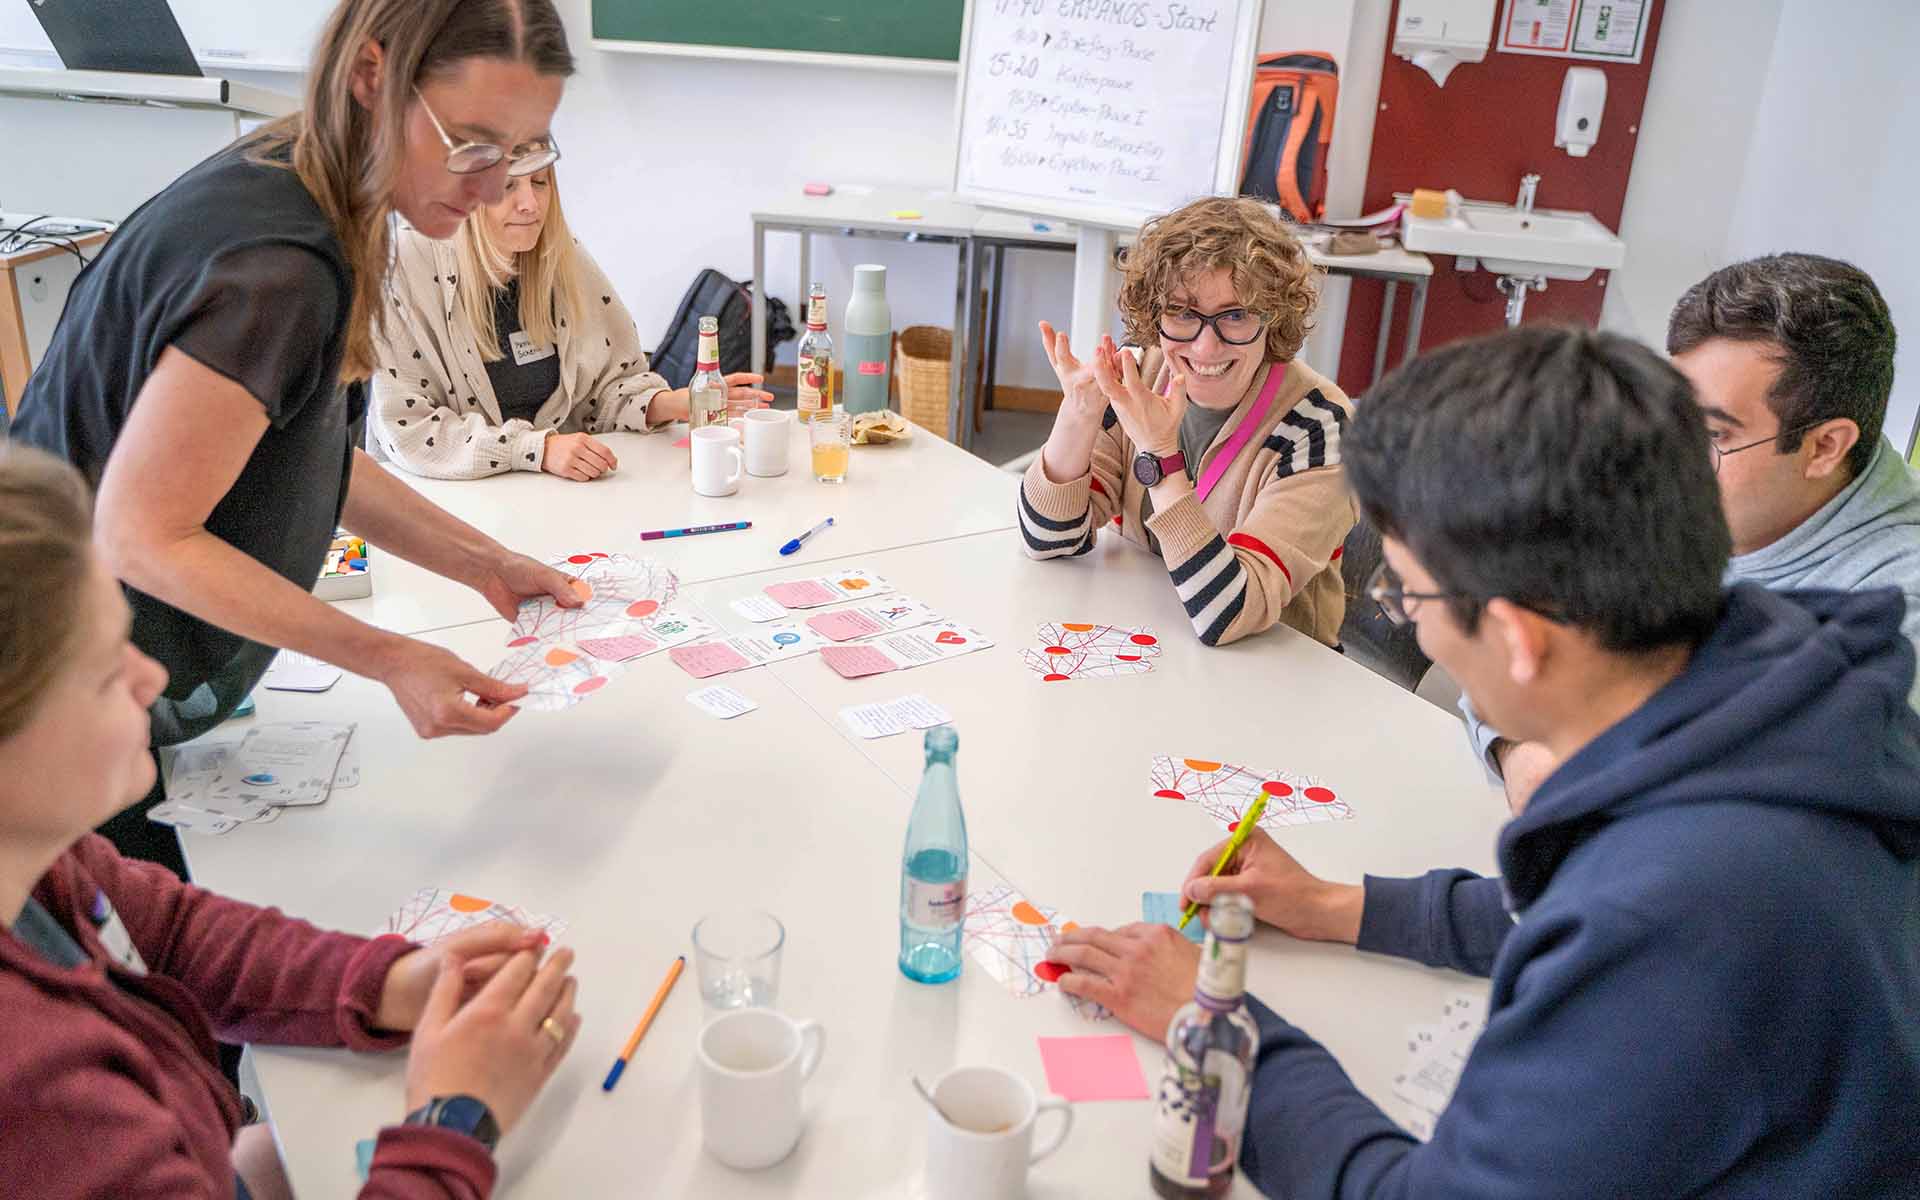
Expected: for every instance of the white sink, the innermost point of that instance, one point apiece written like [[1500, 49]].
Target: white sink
[[1547, 242]]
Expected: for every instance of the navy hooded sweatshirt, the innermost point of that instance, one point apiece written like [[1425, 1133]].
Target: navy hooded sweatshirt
[[1711, 983]]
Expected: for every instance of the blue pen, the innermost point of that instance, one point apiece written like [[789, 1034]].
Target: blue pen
[[800, 541]]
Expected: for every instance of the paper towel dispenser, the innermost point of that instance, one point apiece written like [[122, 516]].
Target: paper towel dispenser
[[1439, 35]]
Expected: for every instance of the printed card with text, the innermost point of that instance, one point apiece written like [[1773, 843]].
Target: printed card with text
[[1224, 790], [800, 594], [900, 651], [703, 660], [1436, 1054], [868, 620]]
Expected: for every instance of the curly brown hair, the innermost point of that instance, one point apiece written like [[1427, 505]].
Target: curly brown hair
[[1271, 273]]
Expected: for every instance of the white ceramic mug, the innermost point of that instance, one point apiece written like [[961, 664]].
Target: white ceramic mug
[[717, 462], [752, 1063], [982, 1148], [763, 431]]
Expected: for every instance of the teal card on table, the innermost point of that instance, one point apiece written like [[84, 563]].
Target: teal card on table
[[1164, 908]]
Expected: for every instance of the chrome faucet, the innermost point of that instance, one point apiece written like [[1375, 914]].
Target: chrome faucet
[[1524, 201]]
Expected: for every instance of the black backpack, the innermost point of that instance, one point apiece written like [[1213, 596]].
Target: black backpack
[[714, 295]]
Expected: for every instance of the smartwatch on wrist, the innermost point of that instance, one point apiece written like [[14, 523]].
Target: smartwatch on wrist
[[1150, 469], [463, 1114]]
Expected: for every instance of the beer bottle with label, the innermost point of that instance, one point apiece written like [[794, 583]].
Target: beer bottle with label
[[1201, 1107], [933, 869], [816, 358], [707, 390]]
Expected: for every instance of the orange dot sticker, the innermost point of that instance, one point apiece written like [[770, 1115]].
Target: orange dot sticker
[[1069, 927], [590, 685], [460, 902], [855, 585], [643, 608], [1027, 914], [1077, 628], [1201, 764], [582, 589], [557, 657]]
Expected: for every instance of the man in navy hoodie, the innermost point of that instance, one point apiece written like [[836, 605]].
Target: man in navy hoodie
[[1710, 983]]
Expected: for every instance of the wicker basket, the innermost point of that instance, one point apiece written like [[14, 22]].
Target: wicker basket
[[924, 368]]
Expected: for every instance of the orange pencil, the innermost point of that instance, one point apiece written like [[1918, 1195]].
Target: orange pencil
[[640, 1031]]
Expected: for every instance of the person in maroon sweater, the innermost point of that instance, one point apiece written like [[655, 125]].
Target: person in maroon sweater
[[116, 977]]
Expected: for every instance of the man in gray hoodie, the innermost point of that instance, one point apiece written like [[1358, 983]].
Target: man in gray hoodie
[[1791, 359]]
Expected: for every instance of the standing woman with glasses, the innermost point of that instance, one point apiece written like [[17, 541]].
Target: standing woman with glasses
[[209, 375], [1226, 464], [506, 349]]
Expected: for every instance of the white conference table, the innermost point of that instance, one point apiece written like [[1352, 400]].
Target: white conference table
[[902, 494], [632, 814]]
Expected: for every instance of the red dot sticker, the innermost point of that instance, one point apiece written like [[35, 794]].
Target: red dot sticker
[[1233, 826], [579, 558], [521, 641], [1276, 789], [1056, 677], [1051, 971], [1127, 657], [1320, 795], [1056, 650], [599, 554], [1144, 639], [590, 685], [1170, 794]]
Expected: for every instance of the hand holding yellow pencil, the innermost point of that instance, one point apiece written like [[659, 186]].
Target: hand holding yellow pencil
[[1241, 831]]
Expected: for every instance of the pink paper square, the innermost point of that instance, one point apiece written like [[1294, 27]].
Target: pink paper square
[[707, 659], [845, 626], [801, 593], [1093, 1068], [854, 661], [619, 649], [684, 443]]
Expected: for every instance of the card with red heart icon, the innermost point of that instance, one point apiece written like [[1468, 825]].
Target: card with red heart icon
[[913, 648], [800, 594]]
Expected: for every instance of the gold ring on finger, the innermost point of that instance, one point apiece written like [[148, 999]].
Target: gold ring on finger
[[552, 1029]]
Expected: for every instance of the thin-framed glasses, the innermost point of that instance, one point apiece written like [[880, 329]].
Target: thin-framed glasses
[[1384, 587], [1719, 454], [471, 158], [1234, 326]]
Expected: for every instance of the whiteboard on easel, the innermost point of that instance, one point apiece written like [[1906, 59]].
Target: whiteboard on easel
[[252, 35], [1104, 112]]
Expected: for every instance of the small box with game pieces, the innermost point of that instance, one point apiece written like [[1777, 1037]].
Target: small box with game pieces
[[347, 575]]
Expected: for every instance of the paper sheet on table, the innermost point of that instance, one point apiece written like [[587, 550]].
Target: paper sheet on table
[[1165, 908], [291, 763], [1224, 790], [888, 717], [1436, 1054], [1084, 650], [721, 702], [800, 594], [702, 660], [913, 648], [291, 671], [869, 620], [1102, 1067]]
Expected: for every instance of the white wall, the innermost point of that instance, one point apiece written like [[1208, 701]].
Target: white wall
[[1778, 125]]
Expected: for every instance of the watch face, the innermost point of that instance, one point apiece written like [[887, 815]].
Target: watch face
[[1146, 468]]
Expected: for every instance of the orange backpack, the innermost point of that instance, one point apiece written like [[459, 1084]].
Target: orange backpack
[[1289, 130]]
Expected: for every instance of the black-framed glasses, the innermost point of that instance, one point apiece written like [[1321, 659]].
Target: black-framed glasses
[[471, 158], [1384, 587], [1719, 454], [1234, 326]]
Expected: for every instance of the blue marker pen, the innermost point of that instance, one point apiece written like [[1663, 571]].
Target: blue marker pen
[[800, 541]]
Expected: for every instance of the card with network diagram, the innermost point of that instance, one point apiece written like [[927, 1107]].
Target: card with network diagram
[[1079, 650], [618, 594], [434, 913], [557, 676], [1224, 791], [1007, 936]]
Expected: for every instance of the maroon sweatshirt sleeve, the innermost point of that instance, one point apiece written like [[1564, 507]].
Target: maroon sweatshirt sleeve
[[413, 1162], [261, 975]]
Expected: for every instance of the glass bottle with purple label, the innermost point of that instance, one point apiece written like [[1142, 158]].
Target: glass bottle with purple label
[[1201, 1106]]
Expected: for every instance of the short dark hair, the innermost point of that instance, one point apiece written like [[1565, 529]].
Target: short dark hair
[[1565, 470], [1827, 325]]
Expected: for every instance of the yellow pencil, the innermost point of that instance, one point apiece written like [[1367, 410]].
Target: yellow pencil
[[1248, 820], [640, 1031]]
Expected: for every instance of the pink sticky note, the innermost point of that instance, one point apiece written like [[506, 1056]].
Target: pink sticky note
[[845, 626], [707, 659], [619, 649], [1093, 1068], [801, 593], [854, 661]]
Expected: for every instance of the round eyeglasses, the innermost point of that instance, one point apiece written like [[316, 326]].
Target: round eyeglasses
[[471, 158], [1234, 326]]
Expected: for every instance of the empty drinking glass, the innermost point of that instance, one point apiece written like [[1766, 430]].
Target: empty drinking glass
[[738, 957]]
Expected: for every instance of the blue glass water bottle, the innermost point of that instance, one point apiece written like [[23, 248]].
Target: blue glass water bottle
[[933, 869]]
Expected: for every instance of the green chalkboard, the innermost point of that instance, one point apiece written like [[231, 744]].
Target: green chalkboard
[[913, 29]]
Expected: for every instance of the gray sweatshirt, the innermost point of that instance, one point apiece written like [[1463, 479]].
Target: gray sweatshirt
[[1868, 536]]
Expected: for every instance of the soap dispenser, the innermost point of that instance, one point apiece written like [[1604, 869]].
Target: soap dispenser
[[1583, 96]]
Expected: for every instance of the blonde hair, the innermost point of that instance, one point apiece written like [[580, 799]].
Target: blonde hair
[[549, 276], [46, 518], [349, 157], [1272, 276]]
